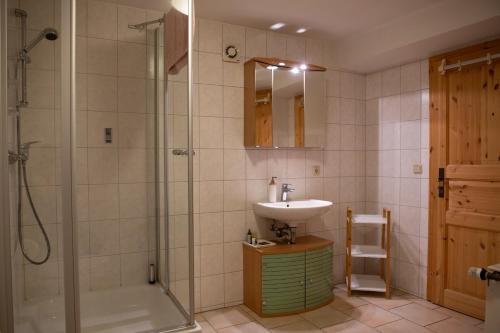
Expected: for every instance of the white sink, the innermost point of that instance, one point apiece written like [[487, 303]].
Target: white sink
[[292, 211]]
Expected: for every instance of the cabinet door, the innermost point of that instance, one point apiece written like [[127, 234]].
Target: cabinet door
[[318, 276], [283, 283]]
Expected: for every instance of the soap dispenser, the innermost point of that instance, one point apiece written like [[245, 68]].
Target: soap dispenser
[[271, 190]]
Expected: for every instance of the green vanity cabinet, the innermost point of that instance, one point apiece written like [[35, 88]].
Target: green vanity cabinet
[[283, 277], [286, 279], [319, 283]]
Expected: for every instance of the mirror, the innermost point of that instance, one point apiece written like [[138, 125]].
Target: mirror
[[263, 106], [288, 108], [284, 105]]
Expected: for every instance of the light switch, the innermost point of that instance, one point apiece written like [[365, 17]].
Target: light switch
[[417, 168]]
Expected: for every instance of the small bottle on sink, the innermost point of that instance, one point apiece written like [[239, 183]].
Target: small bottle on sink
[[271, 190]]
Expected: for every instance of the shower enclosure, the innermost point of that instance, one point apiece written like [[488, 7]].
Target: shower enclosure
[[96, 227]]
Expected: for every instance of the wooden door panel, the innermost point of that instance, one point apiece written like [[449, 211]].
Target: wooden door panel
[[464, 101], [464, 224], [475, 196], [472, 247], [492, 119]]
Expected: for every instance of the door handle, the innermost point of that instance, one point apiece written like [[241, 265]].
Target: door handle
[[441, 182]]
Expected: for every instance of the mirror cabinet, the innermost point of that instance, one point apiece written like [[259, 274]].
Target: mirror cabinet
[[285, 104]]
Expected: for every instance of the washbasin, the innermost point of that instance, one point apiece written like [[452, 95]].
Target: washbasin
[[292, 211]]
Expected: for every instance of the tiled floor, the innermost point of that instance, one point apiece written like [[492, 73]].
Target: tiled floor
[[363, 313]]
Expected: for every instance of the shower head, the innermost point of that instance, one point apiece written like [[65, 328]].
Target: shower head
[[47, 33]]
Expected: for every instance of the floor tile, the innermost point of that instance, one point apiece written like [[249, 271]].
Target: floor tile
[[325, 316], [385, 303], [402, 326], [251, 327], [372, 315], [419, 314], [226, 317], [342, 302], [426, 304], [206, 328], [301, 326], [453, 325], [199, 317], [459, 316], [272, 322], [351, 326]]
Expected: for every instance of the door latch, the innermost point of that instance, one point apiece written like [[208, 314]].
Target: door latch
[[441, 183]]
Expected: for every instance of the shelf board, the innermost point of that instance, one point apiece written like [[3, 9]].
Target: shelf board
[[368, 219], [368, 251], [367, 283]]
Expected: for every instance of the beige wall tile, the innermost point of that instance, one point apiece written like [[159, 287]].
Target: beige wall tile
[[132, 95], [102, 56], [133, 200], [132, 60], [104, 272], [256, 42], [103, 165], [104, 238], [103, 202], [102, 20]]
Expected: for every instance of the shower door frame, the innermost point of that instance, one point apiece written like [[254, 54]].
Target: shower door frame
[[68, 168], [68, 122], [6, 308]]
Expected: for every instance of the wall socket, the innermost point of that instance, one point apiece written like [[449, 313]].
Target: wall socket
[[316, 171]]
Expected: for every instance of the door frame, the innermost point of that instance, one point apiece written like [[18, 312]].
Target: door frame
[[438, 158], [6, 307]]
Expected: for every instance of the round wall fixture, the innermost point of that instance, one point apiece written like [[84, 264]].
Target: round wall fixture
[[232, 51]]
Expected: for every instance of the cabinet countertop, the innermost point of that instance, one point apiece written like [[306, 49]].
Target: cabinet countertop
[[304, 243]]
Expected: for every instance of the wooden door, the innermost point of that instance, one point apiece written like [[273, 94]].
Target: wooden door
[[464, 220], [264, 118]]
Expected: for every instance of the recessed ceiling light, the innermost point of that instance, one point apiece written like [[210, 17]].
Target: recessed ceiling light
[[303, 67], [295, 70], [277, 26], [301, 30], [270, 67], [281, 64]]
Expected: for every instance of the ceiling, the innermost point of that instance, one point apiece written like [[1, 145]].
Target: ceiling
[[326, 19]]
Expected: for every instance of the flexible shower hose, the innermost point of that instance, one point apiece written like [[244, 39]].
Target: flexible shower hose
[[37, 218]]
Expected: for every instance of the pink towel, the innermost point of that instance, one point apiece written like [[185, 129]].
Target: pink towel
[[176, 41]]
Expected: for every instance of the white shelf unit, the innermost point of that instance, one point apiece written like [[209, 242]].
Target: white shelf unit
[[363, 282]]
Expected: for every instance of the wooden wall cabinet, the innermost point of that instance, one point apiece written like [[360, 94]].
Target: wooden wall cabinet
[[287, 279], [285, 106]]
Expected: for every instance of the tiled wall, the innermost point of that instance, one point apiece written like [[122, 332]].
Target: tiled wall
[[38, 123], [397, 137], [230, 178], [115, 189]]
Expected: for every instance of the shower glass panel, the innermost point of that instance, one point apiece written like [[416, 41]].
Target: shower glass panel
[[99, 192], [35, 183], [130, 269]]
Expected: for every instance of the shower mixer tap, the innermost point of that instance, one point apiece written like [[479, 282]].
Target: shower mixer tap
[[23, 153]]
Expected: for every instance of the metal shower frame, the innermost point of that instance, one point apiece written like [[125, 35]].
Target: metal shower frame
[[70, 236]]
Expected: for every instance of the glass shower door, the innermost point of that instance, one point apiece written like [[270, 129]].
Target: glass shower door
[[36, 113], [103, 180]]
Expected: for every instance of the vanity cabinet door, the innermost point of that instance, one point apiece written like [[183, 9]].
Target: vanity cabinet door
[[319, 282], [283, 288]]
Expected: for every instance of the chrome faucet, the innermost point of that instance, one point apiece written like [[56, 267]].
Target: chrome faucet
[[285, 189]]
